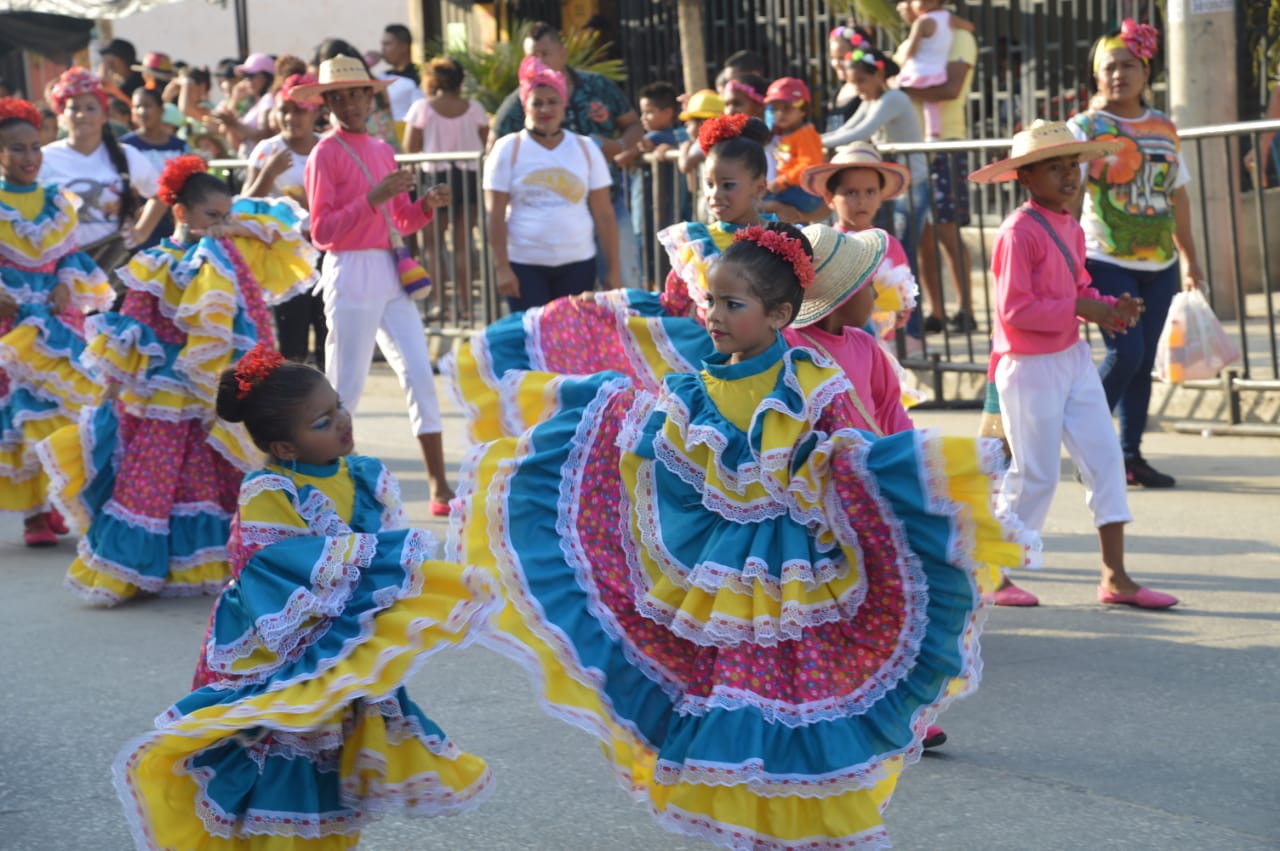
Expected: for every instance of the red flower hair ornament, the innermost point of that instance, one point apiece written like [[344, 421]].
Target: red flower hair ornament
[[785, 246], [722, 128], [73, 83], [255, 367], [16, 108], [177, 172], [1141, 39]]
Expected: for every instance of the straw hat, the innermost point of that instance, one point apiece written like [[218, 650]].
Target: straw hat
[[703, 104], [843, 263], [1043, 140], [857, 155], [340, 72]]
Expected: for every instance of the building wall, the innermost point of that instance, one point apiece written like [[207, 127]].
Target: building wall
[[202, 33]]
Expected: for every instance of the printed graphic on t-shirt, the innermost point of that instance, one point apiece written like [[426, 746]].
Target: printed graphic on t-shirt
[[100, 202], [1132, 190], [558, 185]]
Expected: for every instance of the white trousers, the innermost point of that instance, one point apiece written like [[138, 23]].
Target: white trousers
[[1049, 400], [363, 305]]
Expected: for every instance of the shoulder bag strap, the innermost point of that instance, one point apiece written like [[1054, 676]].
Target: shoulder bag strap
[[1062, 246], [853, 391], [393, 234]]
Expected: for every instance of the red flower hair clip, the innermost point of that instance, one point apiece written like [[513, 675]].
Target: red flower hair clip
[[73, 83], [1141, 39], [16, 108], [177, 172], [255, 367], [720, 129], [787, 247]]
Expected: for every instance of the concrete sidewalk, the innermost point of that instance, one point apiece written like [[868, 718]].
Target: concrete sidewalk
[[1094, 728]]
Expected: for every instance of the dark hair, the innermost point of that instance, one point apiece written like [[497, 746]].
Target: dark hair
[[834, 180], [541, 29], [890, 69], [154, 94], [747, 147], [288, 65], [444, 74], [227, 68], [128, 199], [771, 277], [200, 76], [200, 186], [745, 60], [399, 32], [269, 410], [661, 95]]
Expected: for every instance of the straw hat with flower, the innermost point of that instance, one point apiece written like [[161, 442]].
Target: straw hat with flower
[[843, 263], [1043, 140], [340, 72], [857, 155]]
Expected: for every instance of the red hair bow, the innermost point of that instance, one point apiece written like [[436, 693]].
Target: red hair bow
[[177, 172], [785, 246], [255, 367]]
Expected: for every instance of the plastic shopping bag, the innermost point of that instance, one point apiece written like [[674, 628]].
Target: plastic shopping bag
[[1193, 343]]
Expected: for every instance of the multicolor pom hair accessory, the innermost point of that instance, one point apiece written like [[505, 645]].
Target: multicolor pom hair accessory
[[722, 128], [868, 56], [255, 367], [16, 109], [785, 246], [849, 34], [177, 172], [1142, 40], [75, 82]]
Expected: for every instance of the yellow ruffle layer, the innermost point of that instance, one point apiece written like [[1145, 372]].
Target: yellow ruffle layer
[[58, 231], [165, 798], [105, 588], [50, 375]]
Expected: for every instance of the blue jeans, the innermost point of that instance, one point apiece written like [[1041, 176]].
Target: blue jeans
[[628, 251], [910, 212], [1126, 370], [794, 196], [542, 284]]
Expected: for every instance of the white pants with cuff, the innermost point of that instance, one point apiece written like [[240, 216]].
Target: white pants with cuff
[[363, 305], [1049, 400]]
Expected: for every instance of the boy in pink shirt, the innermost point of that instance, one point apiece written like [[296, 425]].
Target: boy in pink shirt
[[1049, 389], [356, 195]]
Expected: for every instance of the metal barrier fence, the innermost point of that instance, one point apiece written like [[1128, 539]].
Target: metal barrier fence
[[1230, 221]]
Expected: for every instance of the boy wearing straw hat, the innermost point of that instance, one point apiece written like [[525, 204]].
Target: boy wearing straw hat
[[1049, 389], [357, 195]]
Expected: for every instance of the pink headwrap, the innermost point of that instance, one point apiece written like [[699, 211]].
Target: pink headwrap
[[533, 73], [292, 82], [77, 81], [739, 86]]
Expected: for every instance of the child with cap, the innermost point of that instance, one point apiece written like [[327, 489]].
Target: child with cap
[[1049, 389], [799, 145]]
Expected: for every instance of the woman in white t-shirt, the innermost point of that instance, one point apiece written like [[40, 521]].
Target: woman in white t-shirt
[[547, 191], [108, 177], [276, 169], [447, 122]]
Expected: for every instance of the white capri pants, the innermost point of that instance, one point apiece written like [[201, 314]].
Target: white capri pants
[[364, 304], [1048, 400]]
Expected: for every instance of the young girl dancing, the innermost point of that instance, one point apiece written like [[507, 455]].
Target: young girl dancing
[[46, 283], [152, 475], [300, 729], [590, 333], [756, 607]]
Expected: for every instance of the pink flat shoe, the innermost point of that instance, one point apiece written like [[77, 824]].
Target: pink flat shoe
[[57, 522], [438, 509], [933, 737], [42, 537], [1144, 599], [1012, 595]]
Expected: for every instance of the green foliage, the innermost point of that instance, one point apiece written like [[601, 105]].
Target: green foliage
[[493, 74], [873, 13]]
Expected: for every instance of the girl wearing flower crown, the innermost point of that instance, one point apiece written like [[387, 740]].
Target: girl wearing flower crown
[[46, 285], [1137, 226], [300, 729], [755, 606], [151, 475], [643, 334]]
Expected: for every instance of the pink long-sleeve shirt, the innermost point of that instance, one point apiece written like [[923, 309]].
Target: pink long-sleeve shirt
[[868, 369], [337, 189], [1035, 292]]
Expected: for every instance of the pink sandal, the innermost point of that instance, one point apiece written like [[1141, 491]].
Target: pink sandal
[[1145, 598]]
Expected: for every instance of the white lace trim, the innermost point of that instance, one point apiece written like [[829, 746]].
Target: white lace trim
[[531, 321], [34, 233], [738, 838]]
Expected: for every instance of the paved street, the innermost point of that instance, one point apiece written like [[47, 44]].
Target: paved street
[[1095, 728]]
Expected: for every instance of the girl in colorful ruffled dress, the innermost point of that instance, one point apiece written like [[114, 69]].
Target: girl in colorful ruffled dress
[[300, 729], [46, 283], [152, 475], [589, 333], [755, 606]]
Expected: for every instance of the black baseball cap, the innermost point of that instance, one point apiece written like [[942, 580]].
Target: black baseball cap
[[119, 47]]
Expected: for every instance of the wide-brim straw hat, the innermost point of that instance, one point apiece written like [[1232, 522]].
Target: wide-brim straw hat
[[857, 155], [340, 72], [1043, 140], [843, 263]]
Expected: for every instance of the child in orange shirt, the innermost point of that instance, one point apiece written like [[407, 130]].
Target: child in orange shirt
[[798, 146]]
